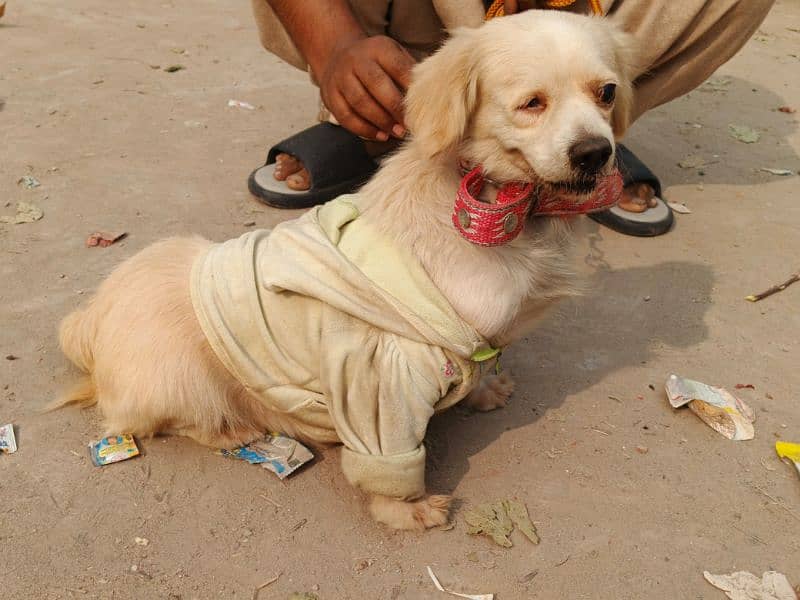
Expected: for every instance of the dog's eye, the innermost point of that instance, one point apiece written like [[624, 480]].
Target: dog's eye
[[607, 93], [535, 103]]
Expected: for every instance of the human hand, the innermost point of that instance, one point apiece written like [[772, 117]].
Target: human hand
[[362, 84]]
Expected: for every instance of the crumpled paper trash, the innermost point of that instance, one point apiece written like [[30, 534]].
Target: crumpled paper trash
[[718, 408], [746, 586]]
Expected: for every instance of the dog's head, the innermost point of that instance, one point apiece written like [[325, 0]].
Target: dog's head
[[539, 96]]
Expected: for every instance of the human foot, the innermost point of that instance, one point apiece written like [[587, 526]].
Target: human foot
[[292, 171], [637, 197]]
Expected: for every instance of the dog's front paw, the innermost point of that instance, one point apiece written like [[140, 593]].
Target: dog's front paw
[[427, 512], [492, 392]]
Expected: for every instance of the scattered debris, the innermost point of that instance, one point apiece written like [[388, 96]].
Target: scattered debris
[[174, 68], [615, 399], [745, 386], [303, 596], [497, 520], [258, 589], [249, 224], [178, 50], [240, 104], [277, 453], [679, 207], [12, 357], [774, 289], [8, 443], [791, 451], [103, 240], [26, 213], [744, 134], [452, 593], [716, 407], [642, 449], [528, 577], [362, 564], [776, 501], [717, 84], [743, 585], [779, 172], [141, 541], [113, 449], [693, 161], [299, 525], [787, 109], [491, 520], [28, 182]]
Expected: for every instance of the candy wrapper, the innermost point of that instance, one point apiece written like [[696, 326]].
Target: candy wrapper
[[789, 451], [8, 443], [277, 453], [113, 449], [718, 408]]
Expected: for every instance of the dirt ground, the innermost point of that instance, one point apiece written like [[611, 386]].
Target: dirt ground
[[119, 144]]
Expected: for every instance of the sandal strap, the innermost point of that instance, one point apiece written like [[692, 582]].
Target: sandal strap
[[330, 153]]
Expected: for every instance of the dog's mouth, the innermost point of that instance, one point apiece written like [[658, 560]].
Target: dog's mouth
[[581, 186]]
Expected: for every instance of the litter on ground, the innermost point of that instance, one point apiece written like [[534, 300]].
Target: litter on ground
[[240, 104], [452, 593], [277, 453], [113, 449], [8, 443], [29, 182], [718, 408], [679, 207], [497, 520], [774, 289], [743, 585], [780, 172], [103, 239], [789, 451], [26, 213], [744, 134]]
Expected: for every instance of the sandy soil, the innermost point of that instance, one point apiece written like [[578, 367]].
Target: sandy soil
[[120, 145]]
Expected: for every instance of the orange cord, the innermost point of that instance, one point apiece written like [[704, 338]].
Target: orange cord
[[497, 8]]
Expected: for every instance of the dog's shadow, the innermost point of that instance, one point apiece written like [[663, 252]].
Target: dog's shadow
[[609, 328]]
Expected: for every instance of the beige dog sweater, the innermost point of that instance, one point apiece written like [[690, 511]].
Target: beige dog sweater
[[326, 320]]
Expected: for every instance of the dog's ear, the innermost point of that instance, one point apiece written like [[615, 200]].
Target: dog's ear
[[628, 68], [443, 93]]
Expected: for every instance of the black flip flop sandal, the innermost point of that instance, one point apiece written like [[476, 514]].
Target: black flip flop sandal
[[336, 160], [653, 221]]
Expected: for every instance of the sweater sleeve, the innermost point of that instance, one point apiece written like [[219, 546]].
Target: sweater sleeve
[[381, 393]]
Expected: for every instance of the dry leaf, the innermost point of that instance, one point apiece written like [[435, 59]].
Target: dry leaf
[[744, 134], [174, 68], [484, 519], [104, 240], [518, 513], [26, 213], [693, 161], [787, 109]]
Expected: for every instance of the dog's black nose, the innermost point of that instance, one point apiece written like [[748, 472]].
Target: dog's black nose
[[590, 155]]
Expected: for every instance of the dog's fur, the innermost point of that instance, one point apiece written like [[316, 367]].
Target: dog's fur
[[149, 367]]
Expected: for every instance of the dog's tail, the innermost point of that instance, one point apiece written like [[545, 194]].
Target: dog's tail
[[75, 336], [82, 394]]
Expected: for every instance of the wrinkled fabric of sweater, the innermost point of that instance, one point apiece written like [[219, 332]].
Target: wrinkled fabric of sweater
[[328, 321]]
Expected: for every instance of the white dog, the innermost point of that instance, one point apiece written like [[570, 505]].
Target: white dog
[[358, 321]]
